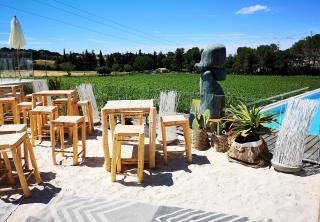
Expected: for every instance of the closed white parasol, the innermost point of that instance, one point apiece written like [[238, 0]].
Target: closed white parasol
[[16, 38]]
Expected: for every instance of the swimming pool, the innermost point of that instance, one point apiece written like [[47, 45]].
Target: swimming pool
[[280, 108]]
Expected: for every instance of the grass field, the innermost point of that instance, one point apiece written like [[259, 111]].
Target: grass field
[[139, 86]]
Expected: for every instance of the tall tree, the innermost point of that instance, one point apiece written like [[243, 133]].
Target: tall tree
[[178, 57], [102, 62]]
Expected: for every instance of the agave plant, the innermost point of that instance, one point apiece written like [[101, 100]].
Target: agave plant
[[200, 121], [247, 124]]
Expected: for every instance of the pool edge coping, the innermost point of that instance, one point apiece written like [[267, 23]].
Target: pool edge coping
[[275, 104]]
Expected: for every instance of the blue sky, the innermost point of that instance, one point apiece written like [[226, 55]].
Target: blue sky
[[158, 25]]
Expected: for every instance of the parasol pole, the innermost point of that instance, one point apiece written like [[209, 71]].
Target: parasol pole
[[18, 64]]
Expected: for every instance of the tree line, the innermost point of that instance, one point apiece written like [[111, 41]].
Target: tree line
[[302, 58]]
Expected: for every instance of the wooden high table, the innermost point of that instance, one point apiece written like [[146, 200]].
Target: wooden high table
[[70, 94], [117, 107]]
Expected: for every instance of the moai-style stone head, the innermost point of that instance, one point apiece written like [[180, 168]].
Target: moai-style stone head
[[212, 70], [213, 59]]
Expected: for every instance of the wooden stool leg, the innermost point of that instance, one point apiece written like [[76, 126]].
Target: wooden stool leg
[[83, 138], [140, 158], [61, 131], [112, 124], [187, 139], [122, 119], [106, 152], [23, 181], [39, 126], [1, 115], [26, 155], [119, 157], [33, 161], [33, 128], [25, 115], [89, 119], [53, 143], [75, 144], [114, 159], [1, 164], [164, 143], [140, 119], [8, 168], [15, 113], [90, 115]]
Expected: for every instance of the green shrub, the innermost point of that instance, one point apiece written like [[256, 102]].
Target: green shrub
[[116, 67], [54, 84], [103, 70], [127, 68]]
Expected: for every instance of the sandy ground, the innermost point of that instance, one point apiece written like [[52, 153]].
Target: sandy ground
[[211, 183]]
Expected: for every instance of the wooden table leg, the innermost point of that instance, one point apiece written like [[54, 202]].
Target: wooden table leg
[[152, 137], [104, 117]]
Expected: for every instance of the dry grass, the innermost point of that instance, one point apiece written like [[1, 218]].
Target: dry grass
[[43, 73], [42, 61]]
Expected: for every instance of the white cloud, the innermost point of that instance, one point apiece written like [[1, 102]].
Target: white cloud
[[252, 9]]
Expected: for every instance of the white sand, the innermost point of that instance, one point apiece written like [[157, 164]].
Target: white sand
[[211, 183]]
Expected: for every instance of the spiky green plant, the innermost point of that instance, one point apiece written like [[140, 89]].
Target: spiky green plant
[[200, 121], [247, 124]]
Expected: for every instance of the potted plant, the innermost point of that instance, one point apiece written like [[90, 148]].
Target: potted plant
[[247, 125], [200, 139], [219, 139]]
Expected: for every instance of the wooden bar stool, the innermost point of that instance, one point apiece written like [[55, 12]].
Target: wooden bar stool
[[73, 122], [24, 108], [13, 128], [16, 91], [132, 114], [12, 102], [40, 118], [121, 134], [9, 129], [88, 112], [13, 142], [176, 120]]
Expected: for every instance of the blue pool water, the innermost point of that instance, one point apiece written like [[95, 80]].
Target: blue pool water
[[314, 128]]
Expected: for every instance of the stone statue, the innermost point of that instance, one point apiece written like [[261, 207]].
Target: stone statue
[[212, 70]]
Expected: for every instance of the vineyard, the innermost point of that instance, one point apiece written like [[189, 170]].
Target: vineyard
[[145, 86]]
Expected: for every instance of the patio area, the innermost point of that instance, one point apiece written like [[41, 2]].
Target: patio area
[[211, 183]]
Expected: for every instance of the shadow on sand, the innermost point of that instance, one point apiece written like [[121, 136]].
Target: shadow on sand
[[41, 193], [162, 174]]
